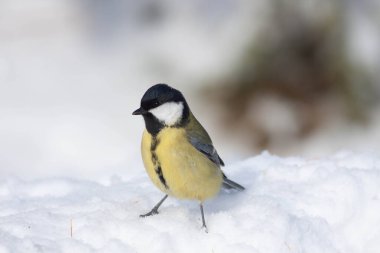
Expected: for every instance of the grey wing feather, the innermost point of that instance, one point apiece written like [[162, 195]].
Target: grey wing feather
[[210, 152], [206, 149], [200, 140]]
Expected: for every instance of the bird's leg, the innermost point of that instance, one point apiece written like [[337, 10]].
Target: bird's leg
[[203, 218], [155, 208]]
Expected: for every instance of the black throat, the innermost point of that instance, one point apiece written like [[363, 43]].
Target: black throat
[[152, 125]]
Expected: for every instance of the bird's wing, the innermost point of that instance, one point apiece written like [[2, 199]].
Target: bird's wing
[[206, 149], [200, 140]]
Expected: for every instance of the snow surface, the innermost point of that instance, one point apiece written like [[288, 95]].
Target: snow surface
[[290, 204]]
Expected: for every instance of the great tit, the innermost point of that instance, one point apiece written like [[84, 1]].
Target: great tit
[[177, 152]]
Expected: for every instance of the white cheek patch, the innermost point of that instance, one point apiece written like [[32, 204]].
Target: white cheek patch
[[169, 113]]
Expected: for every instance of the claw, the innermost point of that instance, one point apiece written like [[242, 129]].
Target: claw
[[154, 211], [204, 227]]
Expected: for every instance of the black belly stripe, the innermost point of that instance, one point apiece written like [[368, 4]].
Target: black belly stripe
[[161, 176], [154, 144], [156, 162]]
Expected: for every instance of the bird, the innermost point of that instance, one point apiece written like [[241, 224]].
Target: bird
[[177, 152]]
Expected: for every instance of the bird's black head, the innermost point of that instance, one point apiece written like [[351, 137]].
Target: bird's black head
[[163, 106], [157, 95]]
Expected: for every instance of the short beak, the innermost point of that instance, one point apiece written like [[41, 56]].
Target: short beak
[[139, 111]]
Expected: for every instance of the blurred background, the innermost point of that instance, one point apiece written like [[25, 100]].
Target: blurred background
[[292, 77]]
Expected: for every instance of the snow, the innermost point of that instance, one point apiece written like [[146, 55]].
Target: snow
[[293, 204], [69, 155]]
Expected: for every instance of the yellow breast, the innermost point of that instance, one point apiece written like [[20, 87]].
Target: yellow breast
[[188, 173]]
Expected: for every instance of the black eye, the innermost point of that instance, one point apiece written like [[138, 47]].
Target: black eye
[[156, 103]]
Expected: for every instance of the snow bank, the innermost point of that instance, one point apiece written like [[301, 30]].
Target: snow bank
[[290, 205]]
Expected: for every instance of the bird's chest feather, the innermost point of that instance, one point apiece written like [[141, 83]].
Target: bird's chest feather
[[168, 152], [177, 168]]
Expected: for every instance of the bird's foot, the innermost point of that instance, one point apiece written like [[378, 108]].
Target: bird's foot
[[204, 228], [152, 212], [155, 208]]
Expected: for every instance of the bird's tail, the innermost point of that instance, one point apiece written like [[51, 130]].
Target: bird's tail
[[229, 184]]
